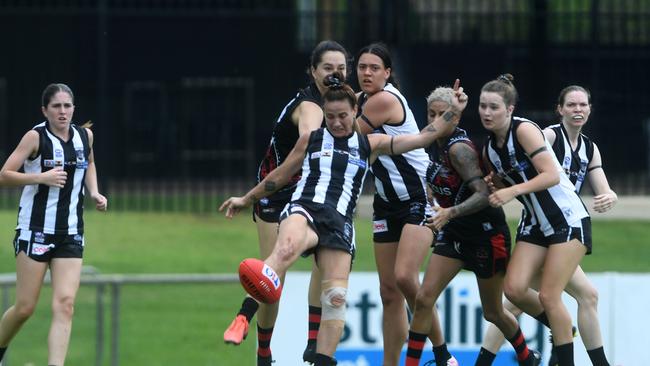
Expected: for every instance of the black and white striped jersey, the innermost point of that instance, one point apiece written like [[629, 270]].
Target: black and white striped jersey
[[575, 163], [554, 207], [333, 171], [400, 177], [53, 210]]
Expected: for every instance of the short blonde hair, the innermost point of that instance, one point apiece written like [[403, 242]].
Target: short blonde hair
[[441, 94]]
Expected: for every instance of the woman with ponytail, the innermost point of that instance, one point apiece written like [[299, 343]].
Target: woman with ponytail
[[300, 116], [318, 220], [554, 232], [58, 170]]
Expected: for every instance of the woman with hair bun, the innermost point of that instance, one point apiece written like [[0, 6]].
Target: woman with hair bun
[[300, 116], [318, 220], [470, 235], [555, 228], [580, 159]]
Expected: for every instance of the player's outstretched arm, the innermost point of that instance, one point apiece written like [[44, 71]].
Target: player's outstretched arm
[[276, 179]]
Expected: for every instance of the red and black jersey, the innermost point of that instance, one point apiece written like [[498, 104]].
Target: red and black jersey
[[285, 135], [449, 189]]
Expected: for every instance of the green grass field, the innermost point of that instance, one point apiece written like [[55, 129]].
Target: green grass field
[[183, 324]]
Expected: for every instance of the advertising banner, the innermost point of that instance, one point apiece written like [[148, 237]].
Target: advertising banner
[[623, 303]]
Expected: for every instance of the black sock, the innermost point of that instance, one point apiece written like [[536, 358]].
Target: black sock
[[597, 357], [565, 354], [323, 360], [248, 308], [441, 354], [485, 358], [2, 352], [542, 318], [264, 342]]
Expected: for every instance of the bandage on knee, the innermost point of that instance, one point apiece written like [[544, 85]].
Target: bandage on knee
[[333, 302]]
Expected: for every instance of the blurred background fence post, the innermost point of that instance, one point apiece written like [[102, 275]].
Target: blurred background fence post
[[184, 95]]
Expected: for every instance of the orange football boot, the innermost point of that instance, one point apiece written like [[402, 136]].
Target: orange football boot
[[237, 331]]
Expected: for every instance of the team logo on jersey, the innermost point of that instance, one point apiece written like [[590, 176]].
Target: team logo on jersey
[[264, 201], [328, 146], [416, 208], [58, 153], [81, 160], [487, 226], [354, 152], [583, 169], [379, 226], [39, 237]]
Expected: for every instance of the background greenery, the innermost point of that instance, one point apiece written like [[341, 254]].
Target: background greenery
[[183, 324]]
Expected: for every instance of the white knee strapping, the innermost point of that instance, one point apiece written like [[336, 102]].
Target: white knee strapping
[[333, 303]]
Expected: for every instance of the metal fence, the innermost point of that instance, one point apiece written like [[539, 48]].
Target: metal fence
[[112, 285], [184, 94]]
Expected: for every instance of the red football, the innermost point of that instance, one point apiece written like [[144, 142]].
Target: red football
[[260, 280]]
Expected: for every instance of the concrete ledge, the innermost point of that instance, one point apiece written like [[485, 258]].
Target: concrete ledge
[[627, 208]]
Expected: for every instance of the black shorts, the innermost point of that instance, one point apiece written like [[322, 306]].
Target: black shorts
[[268, 209], [334, 230], [389, 218], [43, 247], [485, 252], [533, 234]]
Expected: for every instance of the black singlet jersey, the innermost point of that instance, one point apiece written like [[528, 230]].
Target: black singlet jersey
[[53, 210], [549, 209], [285, 135], [575, 163], [333, 171], [449, 189]]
